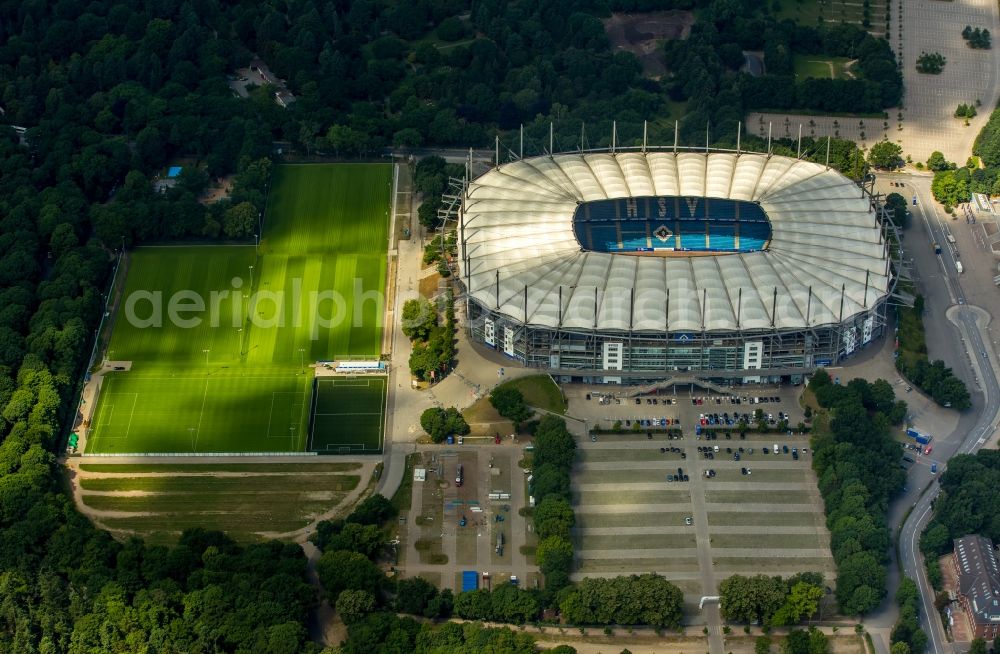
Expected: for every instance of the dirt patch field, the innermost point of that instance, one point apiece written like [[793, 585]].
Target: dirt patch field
[[643, 34]]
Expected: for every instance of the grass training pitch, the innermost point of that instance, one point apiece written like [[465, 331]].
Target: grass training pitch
[[220, 337], [349, 414]]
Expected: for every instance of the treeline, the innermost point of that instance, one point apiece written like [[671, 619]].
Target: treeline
[[952, 185], [969, 503], [933, 378], [858, 465], [907, 628], [552, 463], [433, 343]]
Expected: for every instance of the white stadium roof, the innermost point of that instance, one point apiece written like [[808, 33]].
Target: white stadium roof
[[518, 226]]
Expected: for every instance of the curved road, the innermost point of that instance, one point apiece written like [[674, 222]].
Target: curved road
[[964, 317]]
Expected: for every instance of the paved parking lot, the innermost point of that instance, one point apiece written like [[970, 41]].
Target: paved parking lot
[[433, 524], [630, 519]]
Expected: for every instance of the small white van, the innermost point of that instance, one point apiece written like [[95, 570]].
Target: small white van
[[776, 450]]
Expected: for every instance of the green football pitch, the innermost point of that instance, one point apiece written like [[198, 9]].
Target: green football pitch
[[220, 337], [349, 414]]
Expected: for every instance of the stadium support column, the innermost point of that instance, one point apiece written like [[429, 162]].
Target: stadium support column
[[520, 152], [498, 289], [774, 305], [525, 324], [614, 135], [865, 302], [496, 151], [739, 134], [701, 350], [798, 149], [551, 139], [809, 305], [739, 308], [645, 133], [666, 331], [828, 152], [593, 335], [708, 124], [843, 289], [676, 134]]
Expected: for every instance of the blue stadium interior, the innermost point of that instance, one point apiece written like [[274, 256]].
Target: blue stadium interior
[[671, 224]]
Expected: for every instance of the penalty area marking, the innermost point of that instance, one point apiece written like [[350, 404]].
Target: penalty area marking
[[103, 425]]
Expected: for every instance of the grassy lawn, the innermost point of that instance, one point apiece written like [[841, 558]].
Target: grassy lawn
[[596, 520], [403, 496], [809, 12], [757, 496], [197, 485], [590, 455], [218, 336], [764, 475], [769, 541], [625, 496], [636, 541], [541, 392], [164, 529], [209, 468], [241, 506], [662, 565], [820, 66], [764, 520], [770, 565], [637, 476]]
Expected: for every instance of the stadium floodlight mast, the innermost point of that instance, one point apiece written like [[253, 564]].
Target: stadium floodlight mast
[[206, 356], [302, 359]]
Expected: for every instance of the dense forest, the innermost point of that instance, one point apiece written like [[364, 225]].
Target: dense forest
[[97, 97]]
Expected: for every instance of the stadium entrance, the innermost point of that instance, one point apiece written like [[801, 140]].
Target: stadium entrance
[[670, 225]]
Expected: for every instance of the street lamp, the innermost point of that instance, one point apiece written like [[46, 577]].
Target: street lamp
[[302, 358], [206, 356], [251, 278]]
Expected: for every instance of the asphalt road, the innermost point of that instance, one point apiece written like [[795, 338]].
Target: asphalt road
[[968, 354]]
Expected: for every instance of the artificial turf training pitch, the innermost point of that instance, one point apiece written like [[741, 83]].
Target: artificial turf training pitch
[[231, 374]]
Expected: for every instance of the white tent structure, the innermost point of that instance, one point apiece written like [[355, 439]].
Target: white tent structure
[[826, 264]]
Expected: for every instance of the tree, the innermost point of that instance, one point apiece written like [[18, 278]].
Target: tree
[[977, 646], [341, 570], [937, 162], [762, 645], [353, 605], [240, 221], [899, 648], [554, 517], [931, 63], [802, 602], [885, 154], [440, 423], [751, 599], [554, 554], [413, 595], [375, 509], [509, 403], [419, 318]]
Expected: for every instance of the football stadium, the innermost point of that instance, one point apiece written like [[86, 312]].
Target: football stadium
[[640, 266]]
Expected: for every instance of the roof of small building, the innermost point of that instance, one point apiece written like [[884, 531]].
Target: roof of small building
[[979, 577]]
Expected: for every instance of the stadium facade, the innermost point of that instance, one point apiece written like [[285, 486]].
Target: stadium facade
[[641, 266]]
